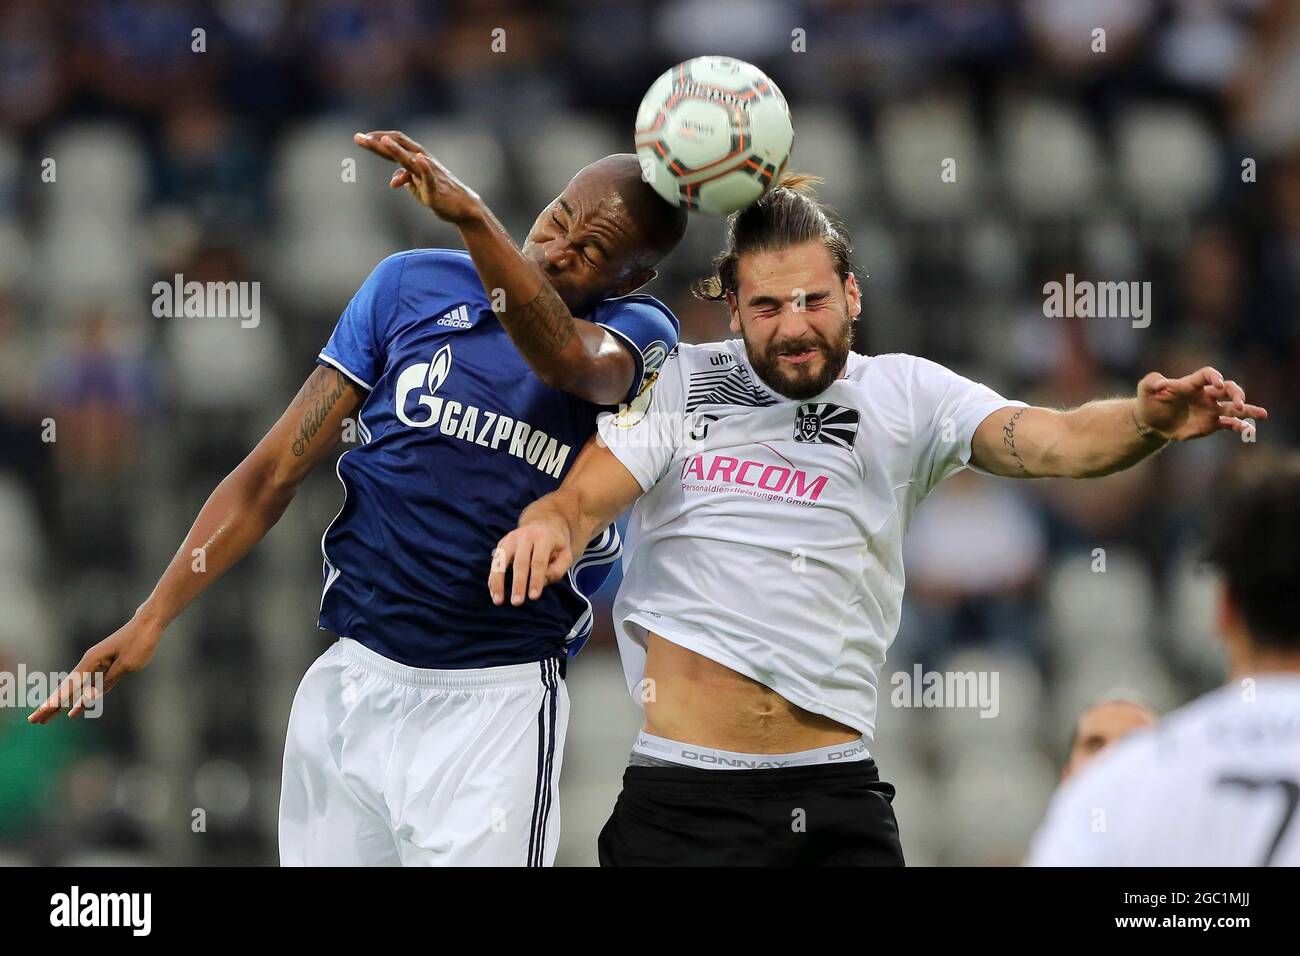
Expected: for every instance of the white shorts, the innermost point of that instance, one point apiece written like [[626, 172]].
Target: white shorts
[[388, 765]]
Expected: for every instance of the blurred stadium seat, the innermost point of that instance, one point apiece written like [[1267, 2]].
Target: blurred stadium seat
[[1050, 159], [915, 139], [1167, 159]]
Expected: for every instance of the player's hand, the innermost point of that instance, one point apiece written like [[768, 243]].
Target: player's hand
[[538, 554], [1195, 405], [423, 176], [125, 651]]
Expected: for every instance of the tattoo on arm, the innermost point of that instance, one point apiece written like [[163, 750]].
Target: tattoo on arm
[[541, 327], [318, 398], [1009, 439]]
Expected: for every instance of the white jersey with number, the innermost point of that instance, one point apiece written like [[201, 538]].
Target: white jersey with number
[[1215, 783], [770, 535]]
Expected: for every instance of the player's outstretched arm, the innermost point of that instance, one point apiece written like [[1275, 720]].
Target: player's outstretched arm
[[541, 550], [1108, 436], [567, 353], [238, 514]]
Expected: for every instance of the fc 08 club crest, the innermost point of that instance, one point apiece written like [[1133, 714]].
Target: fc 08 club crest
[[827, 424]]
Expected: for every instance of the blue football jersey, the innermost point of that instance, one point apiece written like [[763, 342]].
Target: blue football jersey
[[457, 436]]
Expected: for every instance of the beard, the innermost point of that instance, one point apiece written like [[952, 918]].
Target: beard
[[799, 382]]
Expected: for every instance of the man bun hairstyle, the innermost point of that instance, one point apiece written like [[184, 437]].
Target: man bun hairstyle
[[787, 215]]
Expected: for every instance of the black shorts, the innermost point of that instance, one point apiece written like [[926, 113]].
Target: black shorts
[[821, 815]]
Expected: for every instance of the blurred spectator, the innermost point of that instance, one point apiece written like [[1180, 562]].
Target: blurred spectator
[[136, 55], [98, 394], [361, 53], [208, 166], [31, 71], [1103, 724], [27, 452], [974, 552]]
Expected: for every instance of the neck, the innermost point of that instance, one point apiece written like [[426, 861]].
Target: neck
[[1255, 661]]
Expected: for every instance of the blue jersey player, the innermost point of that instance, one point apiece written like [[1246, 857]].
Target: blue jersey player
[[432, 730]]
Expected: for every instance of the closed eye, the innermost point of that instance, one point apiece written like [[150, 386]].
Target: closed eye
[[582, 250]]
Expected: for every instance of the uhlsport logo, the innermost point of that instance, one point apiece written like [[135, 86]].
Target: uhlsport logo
[[827, 424], [416, 394], [457, 318]]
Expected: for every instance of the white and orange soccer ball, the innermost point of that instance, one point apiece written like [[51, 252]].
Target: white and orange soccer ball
[[713, 134]]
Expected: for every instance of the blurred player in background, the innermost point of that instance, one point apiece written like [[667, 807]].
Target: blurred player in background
[[1101, 725], [764, 577], [432, 731], [1217, 782]]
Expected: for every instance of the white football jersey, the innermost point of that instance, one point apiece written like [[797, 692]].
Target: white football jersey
[[770, 535], [1215, 783]]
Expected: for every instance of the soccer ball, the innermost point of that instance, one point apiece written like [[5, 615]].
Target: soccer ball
[[713, 134]]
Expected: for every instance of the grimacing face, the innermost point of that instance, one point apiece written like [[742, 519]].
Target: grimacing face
[[587, 245], [796, 317]]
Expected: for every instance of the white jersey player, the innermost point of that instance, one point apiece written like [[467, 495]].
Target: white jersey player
[[1217, 782], [764, 575], [776, 526]]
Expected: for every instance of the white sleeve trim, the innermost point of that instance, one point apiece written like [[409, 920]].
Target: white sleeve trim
[[616, 448], [345, 370]]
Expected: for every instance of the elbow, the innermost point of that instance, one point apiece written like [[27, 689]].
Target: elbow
[[557, 376], [275, 485], [582, 382]]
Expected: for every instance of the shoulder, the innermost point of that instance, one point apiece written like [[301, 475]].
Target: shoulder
[[639, 309], [899, 367], [921, 384], [1107, 785], [427, 281], [708, 357], [1147, 761], [1116, 770], [629, 304], [418, 269], [887, 381], [413, 263]]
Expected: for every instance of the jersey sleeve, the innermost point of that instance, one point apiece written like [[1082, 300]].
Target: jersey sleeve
[[646, 433], [357, 346], [946, 410], [1073, 834], [648, 333], [1091, 819]]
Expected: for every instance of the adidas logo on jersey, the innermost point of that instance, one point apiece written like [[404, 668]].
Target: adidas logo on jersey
[[457, 318]]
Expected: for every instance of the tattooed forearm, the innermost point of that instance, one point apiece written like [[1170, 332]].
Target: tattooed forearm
[[541, 327], [318, 398], [1009, 439]]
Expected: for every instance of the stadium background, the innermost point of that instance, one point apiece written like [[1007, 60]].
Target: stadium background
[[226, 165]]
